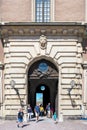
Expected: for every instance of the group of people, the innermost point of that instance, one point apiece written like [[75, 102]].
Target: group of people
[[38, 111]]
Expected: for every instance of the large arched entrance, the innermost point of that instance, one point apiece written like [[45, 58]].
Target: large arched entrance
[[43, 84]]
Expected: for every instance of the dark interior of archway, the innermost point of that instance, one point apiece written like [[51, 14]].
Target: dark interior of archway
[[49, 94]]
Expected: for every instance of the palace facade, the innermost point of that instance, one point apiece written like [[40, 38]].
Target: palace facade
[[43, 56]]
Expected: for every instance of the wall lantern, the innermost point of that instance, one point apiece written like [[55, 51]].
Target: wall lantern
[[12, 82], [72, 83]]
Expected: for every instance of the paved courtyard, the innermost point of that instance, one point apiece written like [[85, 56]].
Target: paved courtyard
[[45, 124]]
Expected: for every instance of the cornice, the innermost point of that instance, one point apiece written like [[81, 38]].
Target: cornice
[[42, 23], [49, 29]]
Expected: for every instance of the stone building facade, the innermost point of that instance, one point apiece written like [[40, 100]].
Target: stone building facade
[[43, 49]]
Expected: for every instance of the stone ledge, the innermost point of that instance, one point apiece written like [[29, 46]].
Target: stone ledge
[[57, 29]]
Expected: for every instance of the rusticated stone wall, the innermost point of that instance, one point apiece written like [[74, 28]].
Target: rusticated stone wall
[[66, 53], [24, 45], [1, 52]]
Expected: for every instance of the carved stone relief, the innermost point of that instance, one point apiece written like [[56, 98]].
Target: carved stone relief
[[43, 42], [51, 72]]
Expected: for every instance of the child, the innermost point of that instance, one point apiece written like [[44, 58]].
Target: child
[[20, 118], [54, 116]]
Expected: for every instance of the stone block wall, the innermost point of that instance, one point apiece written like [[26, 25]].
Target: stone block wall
[[19, 53]]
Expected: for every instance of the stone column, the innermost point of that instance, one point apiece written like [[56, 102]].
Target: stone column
[[84, 88], [1, 88], [60, 113], [85, 82], [1, 67]]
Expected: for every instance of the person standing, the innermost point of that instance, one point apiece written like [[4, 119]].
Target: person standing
[[48, 109], [20, 118], [41, 110], [37, 111], [29, 111]]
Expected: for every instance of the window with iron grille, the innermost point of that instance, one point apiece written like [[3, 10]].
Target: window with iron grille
[[42, 11]]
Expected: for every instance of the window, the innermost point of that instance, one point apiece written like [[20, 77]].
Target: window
[[42, 11]]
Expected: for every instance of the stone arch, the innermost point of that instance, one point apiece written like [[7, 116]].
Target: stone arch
[[33, 60], [47, 76]]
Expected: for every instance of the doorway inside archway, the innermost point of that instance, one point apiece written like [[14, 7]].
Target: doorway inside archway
[[42, 95]]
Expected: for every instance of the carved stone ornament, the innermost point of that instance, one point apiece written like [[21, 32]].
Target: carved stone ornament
[[43, 42], [26, 29]]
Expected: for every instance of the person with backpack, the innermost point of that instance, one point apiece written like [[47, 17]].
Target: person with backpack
[[20, 118], [37, 111]]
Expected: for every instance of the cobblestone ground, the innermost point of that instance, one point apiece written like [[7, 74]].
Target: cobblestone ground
[[45, 124]]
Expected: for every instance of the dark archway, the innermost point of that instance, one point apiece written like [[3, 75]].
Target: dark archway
[[43, 73]]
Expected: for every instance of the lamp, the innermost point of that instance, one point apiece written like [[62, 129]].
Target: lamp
[[72, 83], [12, 82]]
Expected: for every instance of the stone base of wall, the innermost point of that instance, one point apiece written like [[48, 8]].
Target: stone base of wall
[[74, 117], [11, 117]]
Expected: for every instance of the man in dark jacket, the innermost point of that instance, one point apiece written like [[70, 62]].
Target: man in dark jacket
[[37, 111]]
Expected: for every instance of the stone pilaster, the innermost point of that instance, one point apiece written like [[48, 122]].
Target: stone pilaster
[[1, 88], [60, 113], [1, 68], [85, 81]]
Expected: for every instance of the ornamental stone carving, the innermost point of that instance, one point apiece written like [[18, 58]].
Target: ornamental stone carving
[[24, 29], [43, 42]]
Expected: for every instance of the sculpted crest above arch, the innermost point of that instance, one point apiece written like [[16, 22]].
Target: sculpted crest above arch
[[43, 42], [43, 69]]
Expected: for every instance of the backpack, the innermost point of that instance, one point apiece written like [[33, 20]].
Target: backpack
[[20, 115]]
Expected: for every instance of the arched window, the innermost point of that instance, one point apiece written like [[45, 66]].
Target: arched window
[[42, 12]]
